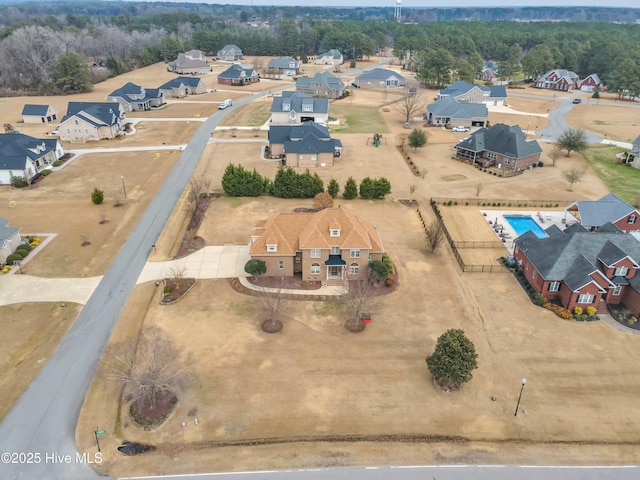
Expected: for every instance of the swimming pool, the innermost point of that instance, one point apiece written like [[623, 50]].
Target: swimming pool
[[523, 223]]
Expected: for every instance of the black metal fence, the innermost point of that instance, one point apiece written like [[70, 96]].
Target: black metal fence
[[499, 202]]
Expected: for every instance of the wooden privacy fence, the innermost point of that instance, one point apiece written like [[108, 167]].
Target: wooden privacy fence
[[497, 268]]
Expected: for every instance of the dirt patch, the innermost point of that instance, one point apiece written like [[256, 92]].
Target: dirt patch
[[612, 122]]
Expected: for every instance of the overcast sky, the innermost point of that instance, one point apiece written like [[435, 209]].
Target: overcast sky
[[434, 3]]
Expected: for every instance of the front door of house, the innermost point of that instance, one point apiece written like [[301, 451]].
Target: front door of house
[[335, 272]]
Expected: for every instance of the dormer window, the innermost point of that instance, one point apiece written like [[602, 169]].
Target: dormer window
[[334, 232], [621, 271], [272, 247], [286, 107]]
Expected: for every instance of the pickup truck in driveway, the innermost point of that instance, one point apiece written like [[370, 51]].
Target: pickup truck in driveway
[[460, 128]]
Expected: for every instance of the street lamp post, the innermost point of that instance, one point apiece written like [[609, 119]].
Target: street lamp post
[[124, 189], [524, 380]]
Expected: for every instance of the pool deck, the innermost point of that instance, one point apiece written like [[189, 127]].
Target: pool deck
[[545, 220]]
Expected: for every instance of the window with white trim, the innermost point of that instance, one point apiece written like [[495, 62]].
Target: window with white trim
[[534, 274], [281, 264], [272, 247], [335, 250], [586, 298], [554, 286], [315, 253], [354, 269], [370, 257], [621, 271], [315, 269], [355, 253], [334, 232], [631, 219], [617, 290]]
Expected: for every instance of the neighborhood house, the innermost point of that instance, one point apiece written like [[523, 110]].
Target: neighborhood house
[[192, 61], [230, 53], [462, 90], [305, 145], [578, 268], [633, 155], [331, 57], [25, 156], [502, 146], [135, 98], [449, 111], [379, 77], [296, 108], [322, 84], [180, 87], [238, 75], [284, 65], [330, 246], [39, 113], [609, 209], [9, 240], [92, 121]]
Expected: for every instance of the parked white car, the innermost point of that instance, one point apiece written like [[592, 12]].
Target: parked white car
[[460, 128]]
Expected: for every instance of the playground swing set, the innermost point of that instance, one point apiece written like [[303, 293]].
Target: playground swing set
[[377, 138]]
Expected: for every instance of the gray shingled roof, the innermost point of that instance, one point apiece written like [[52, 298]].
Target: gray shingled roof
[[16, 148], [636, 141], [461, 87], [183, 62], [323, 78], [333, 53], [503, 139], [129, 90], [234, 72], [573, 256], [184, 80], [450, 107], [106, 113], [283, 63], [228, 48], [6, 232], [295, 100], [609, 208], [35, 110], [378, 74], [308, 137]]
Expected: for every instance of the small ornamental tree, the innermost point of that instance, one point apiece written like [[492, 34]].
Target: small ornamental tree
[[322, 200], [333, 188], [573, 175], [255, 267], [350, 189], [417, 138], [97, 196], [572, 139], [453, 360], [379, 270]]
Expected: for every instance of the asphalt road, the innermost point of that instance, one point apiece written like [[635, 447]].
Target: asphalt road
[[40, 429], [557, 124]]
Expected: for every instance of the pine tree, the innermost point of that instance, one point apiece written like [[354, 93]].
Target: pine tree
[[333, 188], [350, 189], [72, 74]]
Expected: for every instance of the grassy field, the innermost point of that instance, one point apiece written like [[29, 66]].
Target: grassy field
[[355, 119], [255, 114], [623, 180]]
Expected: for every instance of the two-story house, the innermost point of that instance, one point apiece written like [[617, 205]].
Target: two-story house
[[330, 246], [558, 79], [593, 214], [284, 65], [230, 53], [502, 146], [193, 61], [461, 90], [25, 156], [305, 145], [297, 108], [86, 121], [331, 57], [581, 268], [238, 75], [135, 98], [591, 84], [322, 84]]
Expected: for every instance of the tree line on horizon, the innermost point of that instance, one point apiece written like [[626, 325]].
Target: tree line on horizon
[[440, 52]]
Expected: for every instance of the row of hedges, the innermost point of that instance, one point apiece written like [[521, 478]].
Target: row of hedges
[[239, 182]]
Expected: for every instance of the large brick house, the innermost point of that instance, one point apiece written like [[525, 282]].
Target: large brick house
[[330, 246], [502, 146], [593, 214], [305, 145], [238, 75], [591, 84], [581, 268], [558, 79]]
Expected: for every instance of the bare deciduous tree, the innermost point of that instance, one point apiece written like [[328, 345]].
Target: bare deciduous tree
[[573, 175], [478, 188], [435, 234], [358, 300], [412, 190], [149, 367], [272, 301], [410, 103], [322, 200], [554, 155]]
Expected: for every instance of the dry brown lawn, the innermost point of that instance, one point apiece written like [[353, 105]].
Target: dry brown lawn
[[315, 380], [616, 123]]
